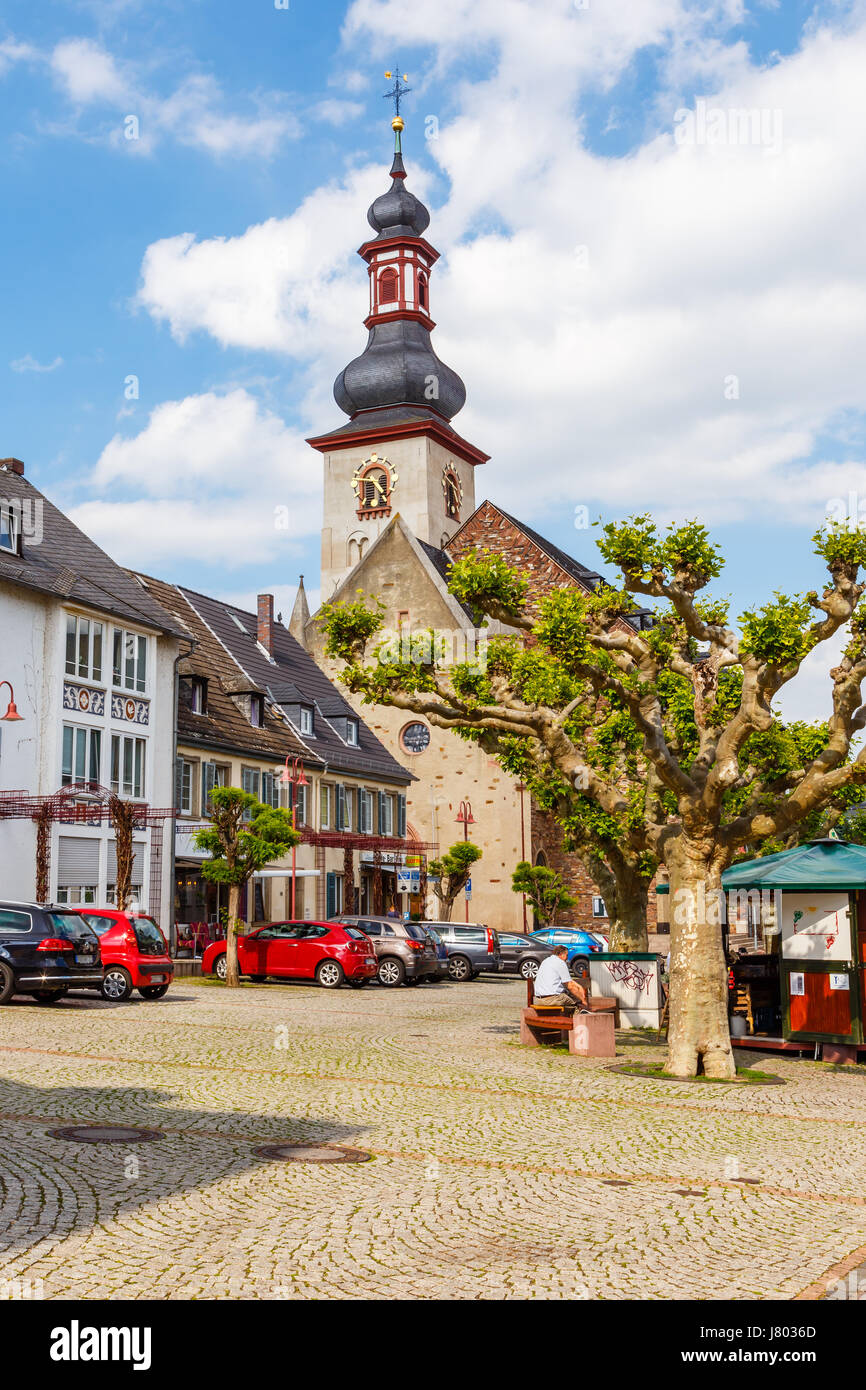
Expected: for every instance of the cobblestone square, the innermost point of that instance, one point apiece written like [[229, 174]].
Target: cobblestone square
[[496, 1171]]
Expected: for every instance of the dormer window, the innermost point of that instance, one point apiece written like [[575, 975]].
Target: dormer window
[[198, 695], [305, 719], [352, 733], [257, 711]]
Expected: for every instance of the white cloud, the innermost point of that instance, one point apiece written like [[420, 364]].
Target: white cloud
[[336, 112], [212, 478], [88, 73], [681, 328], [30, 364]]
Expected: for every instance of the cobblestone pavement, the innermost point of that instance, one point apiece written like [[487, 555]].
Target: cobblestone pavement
[[497, 1170]]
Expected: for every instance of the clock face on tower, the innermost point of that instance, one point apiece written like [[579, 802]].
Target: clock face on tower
[[372, 483]]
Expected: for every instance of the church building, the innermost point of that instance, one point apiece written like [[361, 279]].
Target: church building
[[399, 508]]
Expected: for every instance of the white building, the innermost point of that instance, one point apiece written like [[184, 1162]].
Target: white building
[[92, 661]]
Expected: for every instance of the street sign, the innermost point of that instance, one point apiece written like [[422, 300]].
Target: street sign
[[468, 889]]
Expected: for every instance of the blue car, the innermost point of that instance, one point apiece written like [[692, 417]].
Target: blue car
[[579, 944]]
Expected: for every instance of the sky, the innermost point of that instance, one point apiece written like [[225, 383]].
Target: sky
[[652, 278]]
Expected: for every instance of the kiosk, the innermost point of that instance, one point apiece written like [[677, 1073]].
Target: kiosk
[[811, 904]]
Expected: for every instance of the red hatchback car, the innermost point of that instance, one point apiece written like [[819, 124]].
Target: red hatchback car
[[322, 951], [134, 954]]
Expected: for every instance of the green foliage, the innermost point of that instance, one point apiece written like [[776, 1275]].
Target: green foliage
[[239, 847], [778, 632], [544, 888], [457, 860], [840, 544], [481, 579], [349, 627], [646, 559]]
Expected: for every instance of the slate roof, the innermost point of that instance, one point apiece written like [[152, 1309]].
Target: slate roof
[[224, 728], [294, 670], [67, 565]]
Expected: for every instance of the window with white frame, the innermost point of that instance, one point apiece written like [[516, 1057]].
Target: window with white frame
[[83, 647], [365, 811], [128, 765], [386, 814], [184, 786], [212, 775], [77, 895], [325, 805], [129, 660], [82, 755], [352, 733], [306, 718], [10, 528], [598, 907], [344, 808], [251, 781], [271, 788]]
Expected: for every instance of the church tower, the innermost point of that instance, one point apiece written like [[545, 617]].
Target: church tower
[[399, 451]]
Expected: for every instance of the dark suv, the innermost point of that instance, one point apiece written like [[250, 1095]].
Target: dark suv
[[45, 951], [471, 948], [404, 953]]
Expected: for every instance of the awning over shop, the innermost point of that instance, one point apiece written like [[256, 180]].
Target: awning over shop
[[819, 866]]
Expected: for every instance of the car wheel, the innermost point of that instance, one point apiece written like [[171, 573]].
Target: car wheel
[[580, 965], [529, 969], [330, 974], [49, 996], [153, 991], [391, 972], [459, 968], [220, 967], [116, 984], [7, 983]]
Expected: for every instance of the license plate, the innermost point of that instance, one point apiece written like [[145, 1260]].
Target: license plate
[[370, 960], [83, 958], [157, 979]]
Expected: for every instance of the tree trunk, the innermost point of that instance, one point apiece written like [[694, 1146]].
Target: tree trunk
[[625, 896], [232, 975], [699, 1038]]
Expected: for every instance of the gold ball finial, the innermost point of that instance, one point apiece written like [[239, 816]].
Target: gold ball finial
[[398, 123]]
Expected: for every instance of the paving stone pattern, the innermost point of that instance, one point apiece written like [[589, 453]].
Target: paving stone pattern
[[493, 1166]]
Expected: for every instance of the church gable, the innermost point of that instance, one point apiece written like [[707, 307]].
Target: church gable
[[489, 528]]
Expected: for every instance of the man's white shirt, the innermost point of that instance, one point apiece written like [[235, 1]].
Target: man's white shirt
[[552, 977]]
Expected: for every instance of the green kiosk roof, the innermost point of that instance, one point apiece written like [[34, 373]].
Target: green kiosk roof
[[819, 865]]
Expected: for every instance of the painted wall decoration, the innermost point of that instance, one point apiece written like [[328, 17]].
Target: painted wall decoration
[[133, 711], [81, 700], [816, 926]]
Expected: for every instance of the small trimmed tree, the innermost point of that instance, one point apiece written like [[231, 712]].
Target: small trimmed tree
[[545, 890], [244, 835], [450, 874]]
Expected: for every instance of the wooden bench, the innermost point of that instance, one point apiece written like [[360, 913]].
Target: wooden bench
[[588, 1034]]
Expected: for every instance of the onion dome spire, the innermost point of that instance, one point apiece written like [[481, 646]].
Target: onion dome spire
[[399, 368]]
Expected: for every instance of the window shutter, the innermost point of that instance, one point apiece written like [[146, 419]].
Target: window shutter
[[78, 862], [381, 813], [137, 864], [401, 817], [208, 782], [178, 784]]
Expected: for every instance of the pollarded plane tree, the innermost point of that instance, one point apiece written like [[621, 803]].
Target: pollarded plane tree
[[696, 696]]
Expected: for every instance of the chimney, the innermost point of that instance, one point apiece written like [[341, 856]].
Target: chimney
[[265, 622], [13, 466]]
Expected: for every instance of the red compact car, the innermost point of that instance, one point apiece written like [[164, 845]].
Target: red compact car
[[322, 951], [134, 954]]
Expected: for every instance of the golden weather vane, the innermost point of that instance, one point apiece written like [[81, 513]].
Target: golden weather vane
[[396, 94]]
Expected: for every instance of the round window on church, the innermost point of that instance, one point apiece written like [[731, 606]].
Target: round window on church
[[415, 738]]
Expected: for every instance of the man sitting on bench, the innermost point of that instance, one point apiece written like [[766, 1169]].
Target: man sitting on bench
[[554, 985]]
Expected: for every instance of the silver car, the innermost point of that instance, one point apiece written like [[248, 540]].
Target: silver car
[[405, 954]]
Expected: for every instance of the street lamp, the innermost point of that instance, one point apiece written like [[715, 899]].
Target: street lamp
[[294, 778], [465, 818], [11, 713]]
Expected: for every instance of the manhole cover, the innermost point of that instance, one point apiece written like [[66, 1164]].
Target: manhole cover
[[106, 1134], [311, 1153]]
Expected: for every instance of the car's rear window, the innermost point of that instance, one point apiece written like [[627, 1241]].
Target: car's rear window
[[355, 934], [99, 924], [413, 930], [68, 925], [14, 923], [146, 931]]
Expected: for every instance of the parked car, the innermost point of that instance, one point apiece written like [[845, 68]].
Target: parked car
[[45, 951], [134, 953], [327, 952], [521, 954], [441, 951], [472, 948], [405, 953], [579, 944]]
